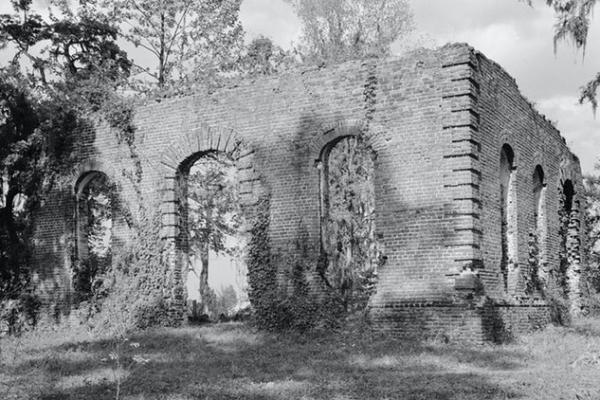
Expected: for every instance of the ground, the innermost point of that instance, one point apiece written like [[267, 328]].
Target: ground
[[234, 361]]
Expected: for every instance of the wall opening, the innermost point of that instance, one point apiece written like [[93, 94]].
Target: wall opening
[[508, 208], [348, 240], [212, 236], [570, 246], [537, 233], [94, 233]]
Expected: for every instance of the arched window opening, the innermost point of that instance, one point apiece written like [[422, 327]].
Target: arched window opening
[[4, 187], [537, 234], [538, 199], [348, 219], [567, 195], [94, 225], [214, 240], [569, 253], [19, 204], [507, 212]]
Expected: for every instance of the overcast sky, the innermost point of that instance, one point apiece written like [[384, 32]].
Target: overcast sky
[[509, 32]]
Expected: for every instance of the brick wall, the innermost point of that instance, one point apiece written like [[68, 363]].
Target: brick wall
[[437, 120]]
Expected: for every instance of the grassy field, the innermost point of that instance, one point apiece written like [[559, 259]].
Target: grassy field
[[232, 361]]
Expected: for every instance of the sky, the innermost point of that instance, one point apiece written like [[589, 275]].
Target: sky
[[515, 35], [518, 37]]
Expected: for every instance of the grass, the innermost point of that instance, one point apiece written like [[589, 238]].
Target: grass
[[233, 361]]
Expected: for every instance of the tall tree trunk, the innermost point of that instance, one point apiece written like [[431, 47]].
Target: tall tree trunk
[[161, 58], [203, 278]]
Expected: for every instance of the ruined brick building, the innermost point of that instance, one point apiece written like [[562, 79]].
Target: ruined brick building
[[467, 176]]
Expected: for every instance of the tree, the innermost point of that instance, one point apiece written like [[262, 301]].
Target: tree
[[192, 42], [61, 69], [339, 30], [74, 53], [591, 243], [263, 57], [573, 18], [213, 215]]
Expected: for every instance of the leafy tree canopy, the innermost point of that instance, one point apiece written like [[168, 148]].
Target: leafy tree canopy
[[263, 57], [62, 68], [191, 42], [573, 18], [339, 30]]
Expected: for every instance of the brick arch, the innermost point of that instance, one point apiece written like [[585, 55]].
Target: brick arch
[[176, 160], [335, 131], [539, 159], [566, 172], [507, 139], [202, 139], [87, 167], [184, 151]]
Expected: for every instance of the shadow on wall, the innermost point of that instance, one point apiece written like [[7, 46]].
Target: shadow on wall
[[492, 324], [414, 236]]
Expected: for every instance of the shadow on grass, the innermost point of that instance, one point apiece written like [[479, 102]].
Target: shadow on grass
[[586, 327], [230, 361]]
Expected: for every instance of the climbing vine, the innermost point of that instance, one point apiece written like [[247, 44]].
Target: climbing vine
[[556, 291], [262, 271], [532, 281]]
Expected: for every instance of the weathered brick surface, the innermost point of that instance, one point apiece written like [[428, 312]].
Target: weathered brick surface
[[437, 120]]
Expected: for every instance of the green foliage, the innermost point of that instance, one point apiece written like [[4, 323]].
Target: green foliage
[[262, 272], [339, 30], [350, 244], [192, 42], [19, 314], [532, 281], [558, 304], [221, 303], [79, 54], [560, 274], [591, 271], [95, 208], [556, 289], [62, 68], [214, 215], [347, 266], [263, 57], [213, 203], [138, 292], [573, 19], [276, 308], [305, 309]]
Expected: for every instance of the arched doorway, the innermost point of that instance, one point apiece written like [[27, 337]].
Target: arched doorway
[[348, 239], [93, 233], [212, 235]]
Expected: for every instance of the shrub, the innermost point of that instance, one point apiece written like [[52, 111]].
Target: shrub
[[20, 314], [137, 293]]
